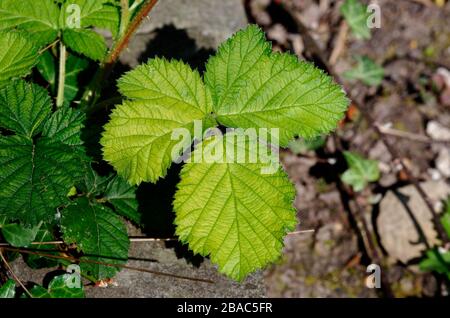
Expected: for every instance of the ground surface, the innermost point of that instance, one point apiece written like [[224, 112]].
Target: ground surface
[[412, 45]]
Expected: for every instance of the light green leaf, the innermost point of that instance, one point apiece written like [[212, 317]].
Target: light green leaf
[[276, 91], [24, 108], [164, 96], [17, 56], [98, 233], [122, 196], [39, 19], [92, 13], [226, 71], [59, 287], [8, 290], [360, 172], [65, 126], [35, 177], [436, 261], [18, 235], [233, 212], [356, 15], [367, 71], [85, 42]]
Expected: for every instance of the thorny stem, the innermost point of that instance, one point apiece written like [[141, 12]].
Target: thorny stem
[[8, 267], [89, 261], [61, 75], [90, 95]]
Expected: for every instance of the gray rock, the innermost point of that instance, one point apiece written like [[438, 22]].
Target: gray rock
[[398, 234], [208, 22], [134, 284]]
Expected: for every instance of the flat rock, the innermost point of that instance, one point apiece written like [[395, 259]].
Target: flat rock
[[156, 257], [207, 22], [396, 228]]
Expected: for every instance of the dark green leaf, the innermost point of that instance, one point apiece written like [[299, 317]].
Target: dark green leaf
[[18, 235], [99, 234]]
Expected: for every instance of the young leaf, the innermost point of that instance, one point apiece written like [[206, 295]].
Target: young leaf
[[24, 108], [85, 42], [17, 56], [8, 290], [122, 196], [59, 287], [278, 91], [98, 233], [356, 15], [18, 235], [35, 177], [164, 96], [233, 212], [367, 71], [226, 71], [39, 19], [360, 172]]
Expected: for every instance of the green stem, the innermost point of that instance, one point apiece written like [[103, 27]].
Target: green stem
[[62, 75], [91, 93], [125, 17]]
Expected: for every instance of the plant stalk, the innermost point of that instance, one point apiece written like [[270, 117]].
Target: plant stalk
[[125, 17], [62, 74], [92, 90]]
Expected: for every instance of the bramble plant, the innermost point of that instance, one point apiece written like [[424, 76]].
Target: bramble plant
[[233, 210]]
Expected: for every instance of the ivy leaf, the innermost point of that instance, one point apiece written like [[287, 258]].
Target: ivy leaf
[[278, 91], [360, 172], [85, 42], [24, 108], [58, 288], [164, 96], [18, 235], [39, 19], [122, 196], [367, 71], [356, 15], [233, 212], [17, 56], [65, 126], [98, 233], [8, 290]]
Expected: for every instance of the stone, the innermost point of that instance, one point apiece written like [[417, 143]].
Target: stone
[[207, 22], [397, 231]]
